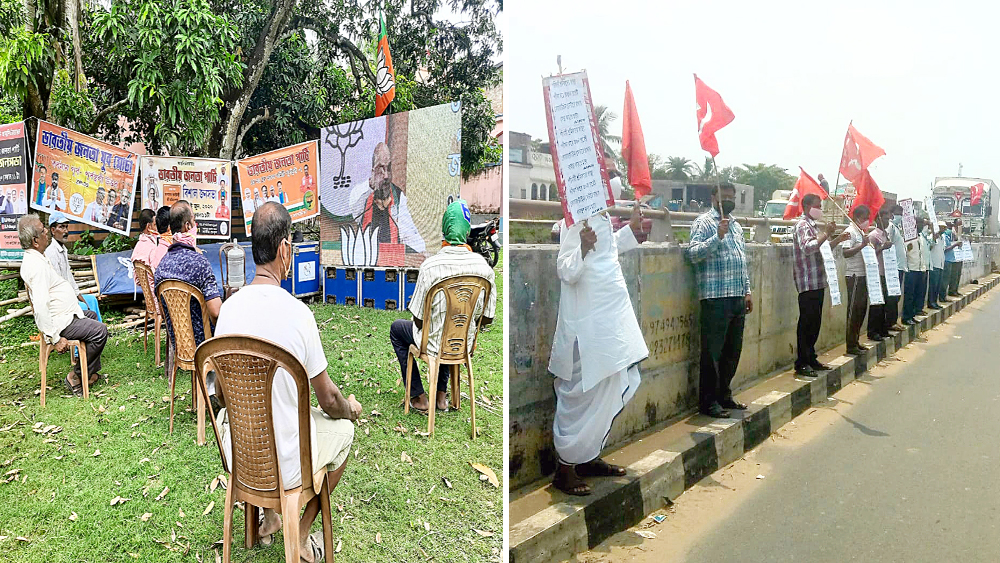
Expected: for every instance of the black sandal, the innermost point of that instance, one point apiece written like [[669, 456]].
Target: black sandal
[[75, 390], [577, 488], [599, 468]]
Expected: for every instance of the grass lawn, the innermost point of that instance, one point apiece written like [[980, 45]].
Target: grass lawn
[[61, 467]]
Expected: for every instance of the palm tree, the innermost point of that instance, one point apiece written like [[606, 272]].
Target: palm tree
[[707, 172], [604, 119], [679, 168]]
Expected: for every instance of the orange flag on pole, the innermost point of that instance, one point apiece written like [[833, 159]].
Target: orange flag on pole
[[385, 76], [634, 148]]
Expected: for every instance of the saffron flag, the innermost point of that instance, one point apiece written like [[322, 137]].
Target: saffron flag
[[803, 186], [868, 193], [713, 114], [859, 152], [634, 148], [977, 193], [385, 76]]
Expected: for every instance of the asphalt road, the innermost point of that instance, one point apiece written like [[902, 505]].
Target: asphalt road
[[911, 472]]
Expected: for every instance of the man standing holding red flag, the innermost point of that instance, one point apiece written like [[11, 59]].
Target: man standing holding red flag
[[809, 272], [634, 148]]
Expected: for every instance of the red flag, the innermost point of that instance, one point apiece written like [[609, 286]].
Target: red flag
[[868, 193], [803, 186], [858, 154], [977, 193], [634, 148], [713, 114]]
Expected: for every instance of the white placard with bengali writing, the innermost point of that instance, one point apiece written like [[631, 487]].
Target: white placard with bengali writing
[[891, 272], [872, 277], [576, 156], [909, 219], [967, 255], [929, 206], [830, 264]]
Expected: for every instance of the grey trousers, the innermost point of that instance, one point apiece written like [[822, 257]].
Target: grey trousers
[[94, 335]]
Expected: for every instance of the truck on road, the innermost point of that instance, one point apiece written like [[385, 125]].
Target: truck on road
[[953, 199]]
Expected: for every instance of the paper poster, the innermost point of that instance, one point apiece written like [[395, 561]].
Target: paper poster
[[967, 255], [872, 277], [909, 220], [386, 182], [577, 156], [286, 176], [13, 188], [88, 180], [931, 214], [891, 272], [205, 183], [830, 264]]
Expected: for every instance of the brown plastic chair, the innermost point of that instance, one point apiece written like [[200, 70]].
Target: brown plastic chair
[[244, 370], [44, 349], [144, 275], [461, 296], [177, 295]]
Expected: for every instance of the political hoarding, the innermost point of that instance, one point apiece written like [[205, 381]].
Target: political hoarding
[[286, 176], [386, 182], [90, 181], [205, 183], [13, 188]]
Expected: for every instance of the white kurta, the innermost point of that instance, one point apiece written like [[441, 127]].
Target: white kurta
[[597, 344]]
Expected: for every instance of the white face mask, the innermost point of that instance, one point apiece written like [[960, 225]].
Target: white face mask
[[616, 187], [816, 213]]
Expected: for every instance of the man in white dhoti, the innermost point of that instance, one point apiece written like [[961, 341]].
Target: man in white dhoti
[[596, 350]]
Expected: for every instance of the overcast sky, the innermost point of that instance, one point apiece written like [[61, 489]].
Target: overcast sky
[[920, 79]]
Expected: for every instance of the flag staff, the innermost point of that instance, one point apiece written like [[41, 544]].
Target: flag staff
[[837, 183]]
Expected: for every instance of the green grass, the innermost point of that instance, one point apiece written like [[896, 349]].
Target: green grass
[[126, 419]]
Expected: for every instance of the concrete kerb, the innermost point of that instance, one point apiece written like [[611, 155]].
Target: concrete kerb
[[566, 528]]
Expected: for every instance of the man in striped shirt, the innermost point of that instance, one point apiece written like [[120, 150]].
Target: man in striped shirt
[[810, 281], [455, 258], [717, 251]]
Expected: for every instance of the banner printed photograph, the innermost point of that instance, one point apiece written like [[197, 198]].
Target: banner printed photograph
[[286, 176], [385, 183], [13, 188], [88, 180], [205, 183]]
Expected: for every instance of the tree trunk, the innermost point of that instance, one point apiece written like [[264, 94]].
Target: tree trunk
[[255, 70], [73, 21]]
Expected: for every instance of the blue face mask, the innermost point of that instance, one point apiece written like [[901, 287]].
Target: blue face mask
[[898, 221]]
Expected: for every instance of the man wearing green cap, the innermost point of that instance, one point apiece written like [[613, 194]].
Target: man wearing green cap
[[455, 258]]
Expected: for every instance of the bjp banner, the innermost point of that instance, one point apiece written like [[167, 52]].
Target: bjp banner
[[88, 180], [205, 183], [286, 176], [13, 188]]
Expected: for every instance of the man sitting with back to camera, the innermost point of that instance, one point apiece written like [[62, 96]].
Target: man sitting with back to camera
[[455, 258], [265, 310]]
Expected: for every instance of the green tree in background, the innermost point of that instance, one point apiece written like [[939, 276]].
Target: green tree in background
[[604, 119], [679, 168], [228, 78]]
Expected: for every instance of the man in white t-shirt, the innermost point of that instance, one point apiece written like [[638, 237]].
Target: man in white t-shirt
[[265, 310], [855, 274]]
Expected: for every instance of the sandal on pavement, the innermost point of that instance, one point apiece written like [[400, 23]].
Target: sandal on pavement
[[599, 468], [576, 487]]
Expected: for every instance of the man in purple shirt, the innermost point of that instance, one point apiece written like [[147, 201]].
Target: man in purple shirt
[[810, 281], [185, 262]]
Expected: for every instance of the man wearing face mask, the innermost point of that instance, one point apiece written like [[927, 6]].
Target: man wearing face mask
[[877, 329], [185, 263], [718, 253], [916, 276], [935, 272], [894, 230], [810, 281], [953, 264], [856, 277]]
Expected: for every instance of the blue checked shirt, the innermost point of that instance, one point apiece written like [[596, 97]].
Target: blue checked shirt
[[720, 266]]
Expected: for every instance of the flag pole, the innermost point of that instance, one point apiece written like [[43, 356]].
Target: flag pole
[[718, 186], [837, 183]]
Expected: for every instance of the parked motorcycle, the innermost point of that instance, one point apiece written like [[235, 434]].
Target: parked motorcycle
[[485, 240]]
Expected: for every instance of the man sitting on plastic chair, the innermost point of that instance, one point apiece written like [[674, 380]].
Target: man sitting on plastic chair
[[455, 258], [59, 258], [265, 310]]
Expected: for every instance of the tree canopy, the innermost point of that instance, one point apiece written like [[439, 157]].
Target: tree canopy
[[231, 78]]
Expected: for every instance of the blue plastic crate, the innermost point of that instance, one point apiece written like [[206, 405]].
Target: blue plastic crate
[[409, 284], [305, 269], [380, 288], [341, 286]]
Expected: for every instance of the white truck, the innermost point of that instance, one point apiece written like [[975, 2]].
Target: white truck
[[775, 209], [953, 198]]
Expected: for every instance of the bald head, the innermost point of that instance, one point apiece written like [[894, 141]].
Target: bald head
[[271, 224], [381, 170], [181, 216]]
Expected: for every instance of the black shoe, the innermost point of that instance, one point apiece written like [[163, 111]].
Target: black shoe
[[935, 307], [733, 404], [820, 367], [859, 351], [806, 371], [875, 338], [909, 322], [715, 411]]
